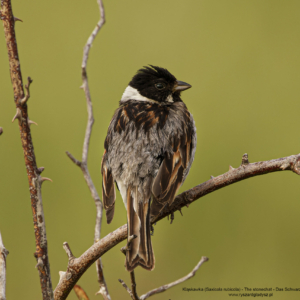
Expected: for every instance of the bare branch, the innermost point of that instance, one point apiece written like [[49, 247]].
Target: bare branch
[[93, 35], [133, 294], [30, 122], [127, 288], [73, 159], [18, 116], [41, 253], [61, 275], [83, 164], [82, 263], [101, 280], [17, 19], [3, 254], [40, 170], [45, 179], [68, 251], [245, 160], [167, 286], [27, 96], [291, 163], [133, 286]]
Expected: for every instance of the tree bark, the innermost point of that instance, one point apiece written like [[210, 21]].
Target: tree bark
[[33, 172]]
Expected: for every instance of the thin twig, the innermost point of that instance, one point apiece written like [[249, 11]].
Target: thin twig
[[74, 160], [3, 254], [132, 292], [68, 251], [27, 95], [34, 178], [167, 286], [127, 288], [82, 263], [83, 164], [133, 286]]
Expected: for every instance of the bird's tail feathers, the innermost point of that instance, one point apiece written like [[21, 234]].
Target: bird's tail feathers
[[140, 252]]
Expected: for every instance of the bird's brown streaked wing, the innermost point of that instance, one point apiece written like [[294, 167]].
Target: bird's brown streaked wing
[[108, 190], [170, 175]]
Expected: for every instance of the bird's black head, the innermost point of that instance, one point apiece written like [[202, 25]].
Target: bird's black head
[[158, 84]]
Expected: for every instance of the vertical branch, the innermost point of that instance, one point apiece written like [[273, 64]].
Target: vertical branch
[[133, 286], [132, 292], [33, 173], [3, 254], [83, 164]]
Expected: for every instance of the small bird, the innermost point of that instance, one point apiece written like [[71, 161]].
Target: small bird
[[149, 149]]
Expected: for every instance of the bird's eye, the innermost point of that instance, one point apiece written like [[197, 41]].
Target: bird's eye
[[160, 86]]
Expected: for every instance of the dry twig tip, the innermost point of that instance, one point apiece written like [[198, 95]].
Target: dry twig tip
[[27, 94], [45, 179], [245, 160], [32, 122], [17, 19], [18, 116], [68, 250]]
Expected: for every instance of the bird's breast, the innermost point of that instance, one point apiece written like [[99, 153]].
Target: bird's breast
[[142, 114]]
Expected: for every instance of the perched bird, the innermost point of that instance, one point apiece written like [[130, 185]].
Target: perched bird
[[149, 148]]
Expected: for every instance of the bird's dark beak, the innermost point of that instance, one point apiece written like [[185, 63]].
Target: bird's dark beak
[[181, 86]]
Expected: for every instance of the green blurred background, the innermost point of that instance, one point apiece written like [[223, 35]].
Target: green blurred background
[[242, 59]]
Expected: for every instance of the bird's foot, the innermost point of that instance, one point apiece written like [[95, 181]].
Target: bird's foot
[[128, 245], [152, 229]]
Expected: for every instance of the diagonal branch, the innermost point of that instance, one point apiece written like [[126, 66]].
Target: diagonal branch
[[244, 171], [3, 254], [33, 173], [83, 164], [167, 286]]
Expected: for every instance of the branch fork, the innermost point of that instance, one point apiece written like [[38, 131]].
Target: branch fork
[[68, 251], [18, 116], [27, 94]]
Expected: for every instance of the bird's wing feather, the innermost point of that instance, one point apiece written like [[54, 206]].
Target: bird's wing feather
[[171, 172], [108, 190]]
